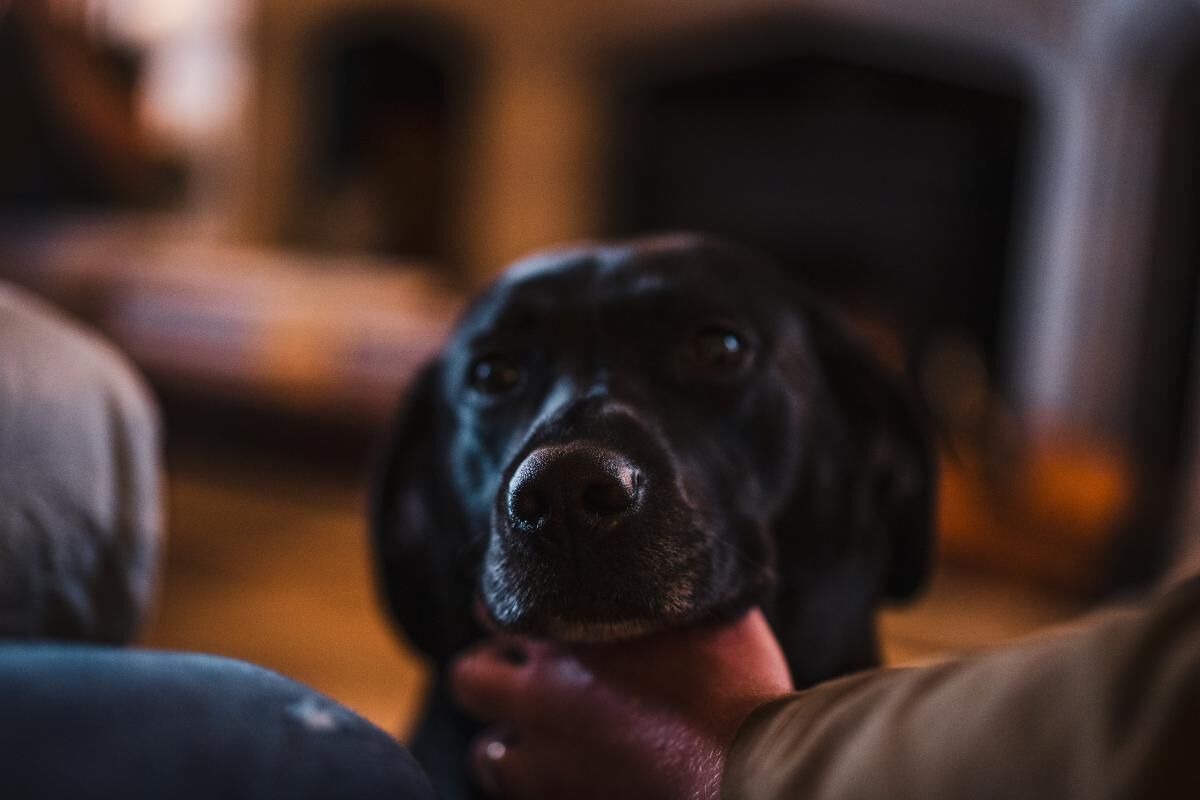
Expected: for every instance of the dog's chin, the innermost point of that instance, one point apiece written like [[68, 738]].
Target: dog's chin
[[571, 631], [592, 629], [564, 630]]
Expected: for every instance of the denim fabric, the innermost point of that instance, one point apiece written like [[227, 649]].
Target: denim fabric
[[82, 722]]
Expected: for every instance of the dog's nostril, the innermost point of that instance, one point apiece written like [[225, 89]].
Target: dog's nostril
[[529, 506], [607, 497]]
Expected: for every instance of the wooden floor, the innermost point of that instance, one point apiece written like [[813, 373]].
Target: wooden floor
[[271, 566], [268, 563]]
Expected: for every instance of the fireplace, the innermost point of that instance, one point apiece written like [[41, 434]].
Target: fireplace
[[883, 171]]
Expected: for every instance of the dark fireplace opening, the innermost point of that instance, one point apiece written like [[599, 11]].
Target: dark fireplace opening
[[885, 173], [386, 96]]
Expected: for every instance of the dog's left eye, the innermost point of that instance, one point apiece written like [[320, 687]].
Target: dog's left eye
[[719, 350], [494, 375]]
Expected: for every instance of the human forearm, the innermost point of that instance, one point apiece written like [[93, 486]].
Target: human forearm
[[1109, 708]]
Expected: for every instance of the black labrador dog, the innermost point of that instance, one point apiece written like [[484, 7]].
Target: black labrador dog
[[623, 438]]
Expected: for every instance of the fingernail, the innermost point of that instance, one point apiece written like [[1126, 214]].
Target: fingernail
[[485, 761], [495, 750]]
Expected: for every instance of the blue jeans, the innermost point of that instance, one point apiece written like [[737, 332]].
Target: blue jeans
[[97, 722]]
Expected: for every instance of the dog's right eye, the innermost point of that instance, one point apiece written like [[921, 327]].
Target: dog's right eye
[[716, 351], [494, 375]]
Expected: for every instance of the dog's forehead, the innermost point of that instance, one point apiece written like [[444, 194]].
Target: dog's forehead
[[593, 275]]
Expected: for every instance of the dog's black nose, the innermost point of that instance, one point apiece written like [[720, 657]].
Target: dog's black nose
[[572, 486]]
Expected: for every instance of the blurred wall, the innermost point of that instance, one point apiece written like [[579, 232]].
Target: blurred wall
[[532, 171]]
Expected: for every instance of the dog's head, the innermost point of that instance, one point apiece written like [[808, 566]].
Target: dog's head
[[622, 438]]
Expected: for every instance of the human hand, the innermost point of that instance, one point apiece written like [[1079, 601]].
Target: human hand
[[647, 718]]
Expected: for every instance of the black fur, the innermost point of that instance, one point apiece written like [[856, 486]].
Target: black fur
[[783, 467]]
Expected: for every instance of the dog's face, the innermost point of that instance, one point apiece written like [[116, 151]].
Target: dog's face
[[618, 439], [619, 420]]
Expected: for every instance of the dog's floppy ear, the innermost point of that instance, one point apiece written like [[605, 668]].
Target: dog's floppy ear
[[417, 533], [898, 477]]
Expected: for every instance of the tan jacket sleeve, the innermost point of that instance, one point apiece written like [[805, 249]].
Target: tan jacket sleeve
[[1107, 709]]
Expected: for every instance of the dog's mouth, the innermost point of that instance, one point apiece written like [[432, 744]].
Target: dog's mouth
[[630, 584], [575, 631], [599, 632]]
